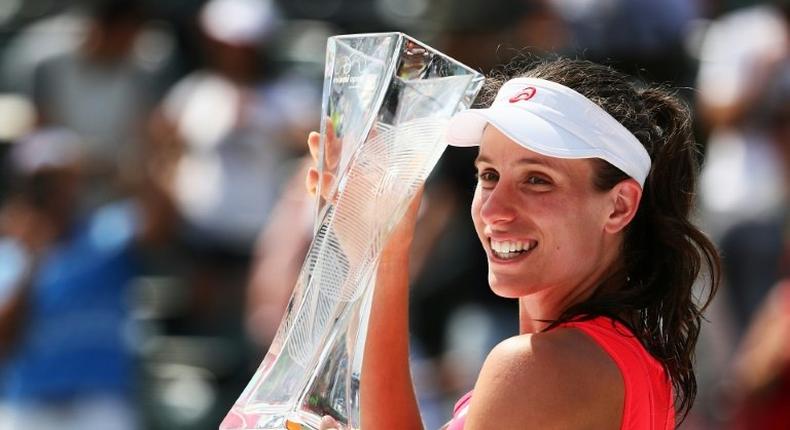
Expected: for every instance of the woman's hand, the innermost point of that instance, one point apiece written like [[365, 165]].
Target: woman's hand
[[401, 238], [332, 151]]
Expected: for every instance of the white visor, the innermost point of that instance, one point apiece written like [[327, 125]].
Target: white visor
[[556, 121]]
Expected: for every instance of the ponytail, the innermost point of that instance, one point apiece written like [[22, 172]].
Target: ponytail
[[665, 252]]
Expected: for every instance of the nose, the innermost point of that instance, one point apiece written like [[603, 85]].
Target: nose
[[497, 206]]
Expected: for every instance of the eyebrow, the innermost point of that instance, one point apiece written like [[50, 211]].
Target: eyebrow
[[525, 160]]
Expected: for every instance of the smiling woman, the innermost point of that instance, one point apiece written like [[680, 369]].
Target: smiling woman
[[551, 207], [585, 187]]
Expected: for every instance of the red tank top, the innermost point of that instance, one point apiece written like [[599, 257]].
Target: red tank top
[[648, 390]]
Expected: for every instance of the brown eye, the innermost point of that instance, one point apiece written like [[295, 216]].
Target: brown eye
[[487, 177], [537, 180]]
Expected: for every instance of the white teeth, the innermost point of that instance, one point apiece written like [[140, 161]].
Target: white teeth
[[509, 249]]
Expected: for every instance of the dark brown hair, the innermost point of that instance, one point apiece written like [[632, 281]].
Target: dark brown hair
[[663, 254]]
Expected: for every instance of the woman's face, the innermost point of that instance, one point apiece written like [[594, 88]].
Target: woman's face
[[542, 223]]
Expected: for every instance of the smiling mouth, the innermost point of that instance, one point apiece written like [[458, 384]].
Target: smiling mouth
[[510, 249]]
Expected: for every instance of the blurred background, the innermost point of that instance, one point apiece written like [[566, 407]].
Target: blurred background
[[153, 215]]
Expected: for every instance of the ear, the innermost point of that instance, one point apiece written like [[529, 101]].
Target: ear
[[625, 201]]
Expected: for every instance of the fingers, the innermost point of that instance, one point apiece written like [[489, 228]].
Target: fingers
[[333, 146], [330, 129], [313, 142], [311, 180], [327, 181]]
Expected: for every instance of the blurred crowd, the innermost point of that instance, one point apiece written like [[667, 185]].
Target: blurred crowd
[[153, 216]]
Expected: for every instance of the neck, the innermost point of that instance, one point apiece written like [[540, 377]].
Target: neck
[[538, 310]]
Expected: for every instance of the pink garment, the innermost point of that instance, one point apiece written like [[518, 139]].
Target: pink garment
[[459, 412], [648, 390]]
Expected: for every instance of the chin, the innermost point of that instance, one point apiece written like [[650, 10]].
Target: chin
[[512, 286], [507, 289]]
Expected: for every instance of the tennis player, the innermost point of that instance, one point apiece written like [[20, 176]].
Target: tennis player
[[585, 187]]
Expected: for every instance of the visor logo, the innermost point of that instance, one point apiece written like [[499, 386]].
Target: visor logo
[[523, 95]]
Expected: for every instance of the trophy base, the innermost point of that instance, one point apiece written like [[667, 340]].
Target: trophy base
[[237, 420]]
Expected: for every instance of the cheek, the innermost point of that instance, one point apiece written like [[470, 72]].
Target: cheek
[[477, 203], [582, 235], [570, 223]]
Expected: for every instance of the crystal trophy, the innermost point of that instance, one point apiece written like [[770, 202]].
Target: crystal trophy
[[386, 101]]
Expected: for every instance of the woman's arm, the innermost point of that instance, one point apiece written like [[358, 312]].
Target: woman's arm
[[387, 393], [386, 390]]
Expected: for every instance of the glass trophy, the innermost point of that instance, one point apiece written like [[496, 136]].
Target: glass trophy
[[386, 101]]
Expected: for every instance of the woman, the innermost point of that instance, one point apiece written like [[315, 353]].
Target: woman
[[585, 186]]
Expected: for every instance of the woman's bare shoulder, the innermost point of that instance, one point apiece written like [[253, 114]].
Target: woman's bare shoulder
[[557, 379]]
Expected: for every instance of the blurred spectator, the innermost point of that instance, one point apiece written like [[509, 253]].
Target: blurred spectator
[[101, 93], [644, 38], [49, 35], [744, 102], [65, 339], [743, 80], [744, 95], [758, 389], [237, 123], [236, 128]]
